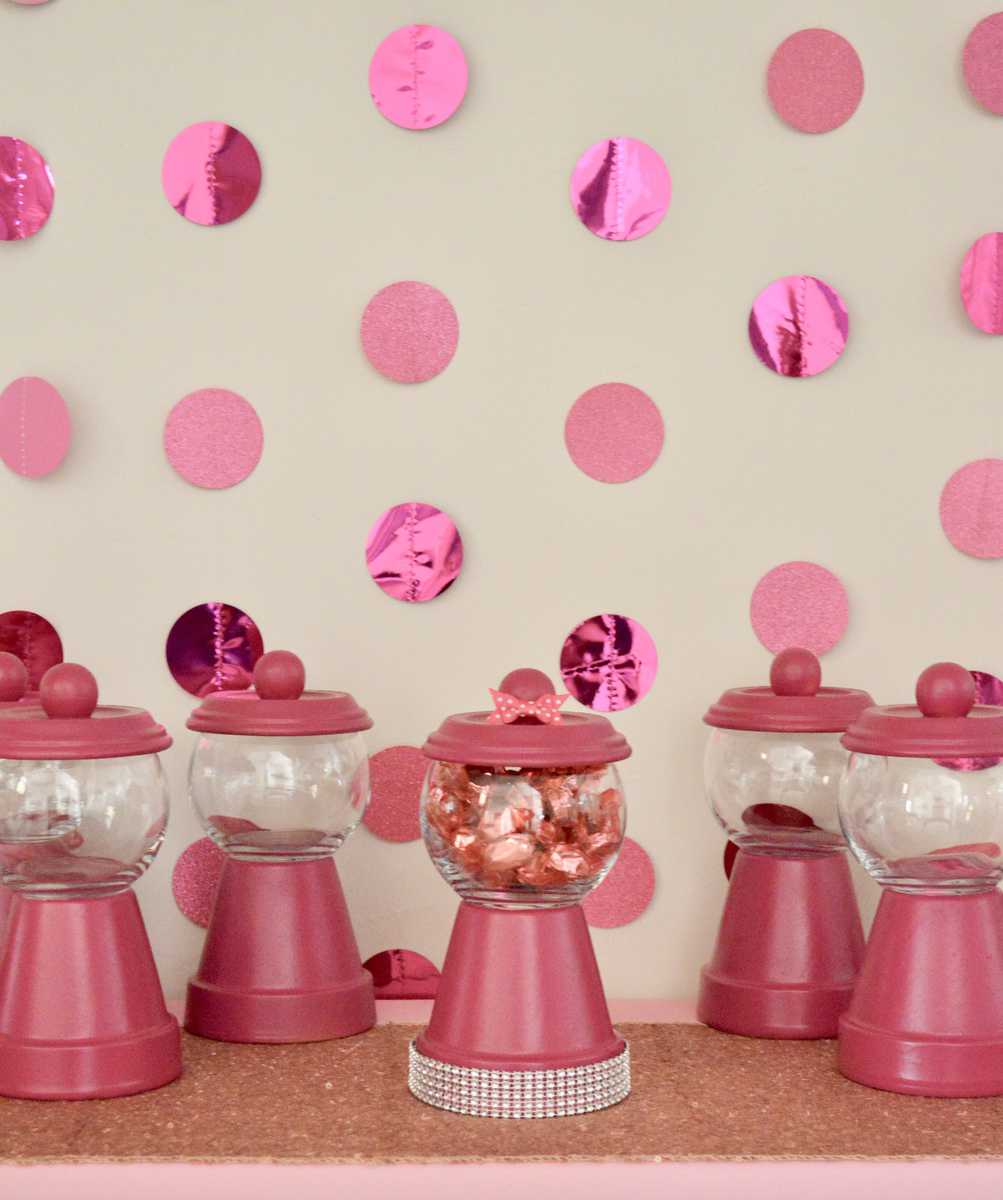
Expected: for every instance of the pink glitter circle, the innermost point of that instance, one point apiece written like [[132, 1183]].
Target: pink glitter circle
[[31, 2], [396, 775], [410, 332], [815, 80], [213, 647], [33, 640], [981, 285], [971, 508], [798, 326], [213, 438], [625, 892], [403, 975], [799, 604], [982, 63], [414, 552], [27, 190], [35, 427], [609, 662], [418, 76], [194, 880], [614, 432], [211, 173], [620, 189]]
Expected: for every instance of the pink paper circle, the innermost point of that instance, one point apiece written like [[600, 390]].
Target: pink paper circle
[[195, 878], [403, 975], [211, 173], [396, 775], [31, 2], [213, 438], [799, 604], [625, 892], [410, 331], [33, 640], [614, 432], [981, 285], [212, 648], [971, 508], [815, 80], [414, 552], [34, 427], [798, 326], [609, 662], [418, 76], [27, 190], [620, 189], [982, 63]]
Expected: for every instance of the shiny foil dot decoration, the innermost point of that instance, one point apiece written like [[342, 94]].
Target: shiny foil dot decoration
[[35, 427], [418, 76], [798, 326], [396, 775], [982, 63], [213, 647], [414, 552], [988, 690], [620, 189], [410, 331], [34, 640], [195, 878], [614, 432], [981, 286], [27, 190], [815, 80], [799, 604], [402, 975], [609, 662], [971, 508], [211, 173], [213, 438], [626, 891], [31, 3]]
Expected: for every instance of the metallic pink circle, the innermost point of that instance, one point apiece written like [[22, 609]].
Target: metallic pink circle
[[626, 891], [194, 880], [799, 604], [27, 190], [34, 640], [213, 438], [981, 285], [982, 63], [418, 76], [403, 975], [620, 189], [35, 427], [31, 2], [971, 508], [213, 648], [410, 331], [609, 662], [396, 775], [815, 80], [414, 552], [614, 432], [211, 173], [798, 326]]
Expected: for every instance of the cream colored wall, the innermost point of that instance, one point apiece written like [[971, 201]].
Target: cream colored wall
[[125, 308]]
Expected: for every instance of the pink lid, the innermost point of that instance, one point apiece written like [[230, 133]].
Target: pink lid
[[277, 705], [944, 723], [527, 729], [69, 723], [793, 703]]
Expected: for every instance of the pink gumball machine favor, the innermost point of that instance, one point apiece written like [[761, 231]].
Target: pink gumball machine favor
[[13, 690], [83, 809], [790, 941], [922, 805], [279, 778], [523, 814]]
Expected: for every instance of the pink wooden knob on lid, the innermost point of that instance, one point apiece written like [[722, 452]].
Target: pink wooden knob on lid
[[795, 672], [526, 683], [279, 675], [68, 691], [945, 690], [13, 678]]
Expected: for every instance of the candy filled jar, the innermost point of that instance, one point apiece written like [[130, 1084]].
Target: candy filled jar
[[279, 779], [523, 814], [922, 806], [790, 940], [83, 810]]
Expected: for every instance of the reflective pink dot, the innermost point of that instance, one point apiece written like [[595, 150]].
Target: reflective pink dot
[[799, 604], [798, 326], [418, 76], [396, 775], [414, 552], [213, 438], [34, 427], [620, 189], [982, 63], [609, 662], [410, 332], [27, 190], [33, 640], [614, 432], [403, 975], [815, 80], [194, 879], [981, 285], [625, 892], [971, 508], [213, 647], [211, 173]]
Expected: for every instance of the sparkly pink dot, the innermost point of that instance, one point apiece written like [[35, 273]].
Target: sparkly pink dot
[[194, 880], [410, 332], [981, 283], [396, 775], [971, 508], [625, 892], [982, 62], [815, 80], [614, 432], [799, 604], [213, 438]]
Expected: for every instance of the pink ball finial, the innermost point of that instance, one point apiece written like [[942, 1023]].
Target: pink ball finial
[[945, 690], [13, 677], [279, 675], [68, 690], [526, 683], [795, 672]]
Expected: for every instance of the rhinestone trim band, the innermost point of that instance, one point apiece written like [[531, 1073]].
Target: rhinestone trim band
[[564, 1092]]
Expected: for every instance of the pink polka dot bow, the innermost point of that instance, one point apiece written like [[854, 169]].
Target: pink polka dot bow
[[510, 708]]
